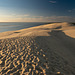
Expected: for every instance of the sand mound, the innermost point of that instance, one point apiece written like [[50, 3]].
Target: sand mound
[[22, 56], [42, 50]]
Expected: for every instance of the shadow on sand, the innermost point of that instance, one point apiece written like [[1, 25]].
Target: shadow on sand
[[60, 43]]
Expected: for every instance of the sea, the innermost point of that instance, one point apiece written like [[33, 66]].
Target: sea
[[11, 26]]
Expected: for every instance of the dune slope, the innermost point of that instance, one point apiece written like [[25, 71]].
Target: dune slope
[[41, 50]]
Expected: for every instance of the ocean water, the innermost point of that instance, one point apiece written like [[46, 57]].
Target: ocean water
[[11, 26]]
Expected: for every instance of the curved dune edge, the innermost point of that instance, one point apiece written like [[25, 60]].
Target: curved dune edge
[[41, 50], [70, 33], [43, 28]]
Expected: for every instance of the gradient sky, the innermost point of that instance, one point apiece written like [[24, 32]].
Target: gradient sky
[[37, 10]]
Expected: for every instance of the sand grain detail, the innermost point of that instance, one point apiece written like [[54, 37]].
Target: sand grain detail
[[19, 56], [44, 50]]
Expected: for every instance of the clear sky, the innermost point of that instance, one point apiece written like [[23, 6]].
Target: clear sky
[[37, 10]]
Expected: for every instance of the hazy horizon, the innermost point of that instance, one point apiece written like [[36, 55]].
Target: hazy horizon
[[37, 11]]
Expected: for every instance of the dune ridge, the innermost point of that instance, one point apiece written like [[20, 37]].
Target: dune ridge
[[41, 50]]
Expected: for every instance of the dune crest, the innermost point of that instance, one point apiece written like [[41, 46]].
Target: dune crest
[[41, 50]]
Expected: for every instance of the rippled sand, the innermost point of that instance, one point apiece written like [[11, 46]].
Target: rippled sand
[[42, 50]]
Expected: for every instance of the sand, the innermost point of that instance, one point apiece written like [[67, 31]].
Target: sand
[[41, 50]]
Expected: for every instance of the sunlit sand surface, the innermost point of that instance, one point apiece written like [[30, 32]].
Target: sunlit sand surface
[[41, 50]]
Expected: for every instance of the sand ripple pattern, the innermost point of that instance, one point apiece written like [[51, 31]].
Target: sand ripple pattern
[[21, 56], [31, 56]]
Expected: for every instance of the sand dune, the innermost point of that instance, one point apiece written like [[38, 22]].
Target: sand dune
[[41, 50]]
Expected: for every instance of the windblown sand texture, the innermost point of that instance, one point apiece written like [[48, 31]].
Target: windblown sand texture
[[41, 50]]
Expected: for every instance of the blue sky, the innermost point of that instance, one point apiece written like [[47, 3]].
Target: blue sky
[[37, 10]]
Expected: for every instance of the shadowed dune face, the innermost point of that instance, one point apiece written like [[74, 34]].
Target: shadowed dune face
[[29, 31], [59, 27], [65, 40], [46, 50], [60, 50], [16, 32], [73, 24]]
